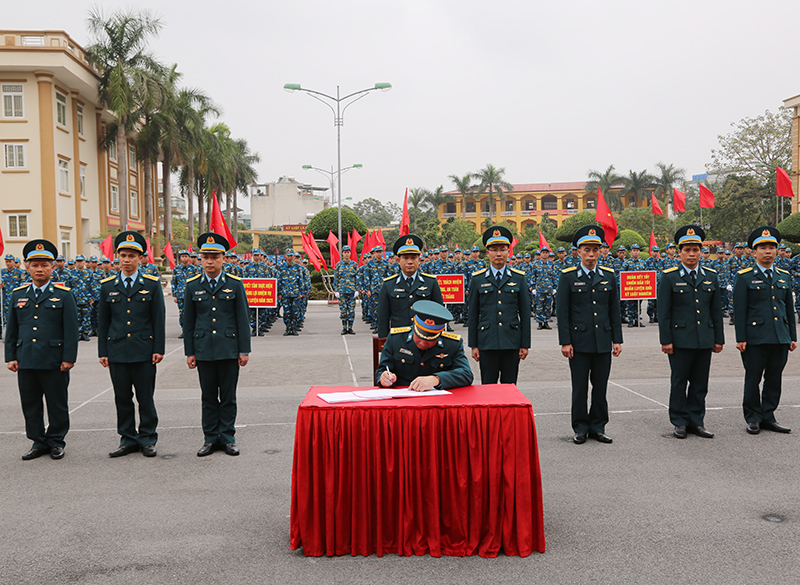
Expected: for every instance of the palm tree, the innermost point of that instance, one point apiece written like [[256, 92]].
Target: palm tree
[[465, 188], [490, 179], [119, 53], [437, 198], [605, 181], [639, 184], [418, 202], [669, 177], [244, 176]]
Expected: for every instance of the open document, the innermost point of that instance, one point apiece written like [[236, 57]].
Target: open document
[[377, 394]]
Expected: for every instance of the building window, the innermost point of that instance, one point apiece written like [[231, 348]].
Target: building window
[[486, 207], [114, 195], [549, 202], [83, 181], [450, 207], [61, 109], [80, 120], [591, 204], [14, 156], [470, 207], [571, 204], [134, 210], [65, 244], [632, 201], [12, 101], [530, 205], [112, 150], [63, 176], [132, 158], [18, 225], [509, 205]]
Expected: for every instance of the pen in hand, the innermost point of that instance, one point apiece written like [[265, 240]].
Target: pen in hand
[[387, 378]]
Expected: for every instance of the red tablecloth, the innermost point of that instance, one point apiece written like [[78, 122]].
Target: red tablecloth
[[443, 475]]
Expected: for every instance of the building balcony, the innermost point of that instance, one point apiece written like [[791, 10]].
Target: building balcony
[[508, 213], [449, 215], [470, 214], [486, 213]]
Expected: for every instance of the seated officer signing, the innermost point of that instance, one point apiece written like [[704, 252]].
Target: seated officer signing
[[428, 356]]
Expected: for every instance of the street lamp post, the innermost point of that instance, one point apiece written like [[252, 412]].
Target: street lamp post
[[331, 174], [342, 103]]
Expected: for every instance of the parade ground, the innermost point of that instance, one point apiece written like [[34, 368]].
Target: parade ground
[[647, 509]]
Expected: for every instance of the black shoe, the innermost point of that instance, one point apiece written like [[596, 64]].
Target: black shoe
[[231, 449], [680, 431], [57, 453], [601, 437], [579, 438], [701, 432], [547, 326], [83, 337], [350, 331], [641, 324], [540, 327], [775, 427], [293, 332], [123, 450], [753, 428], [180, 336], [35, 452], [287, 332], [261, 333], [344, 330], [149, 450], [206, 449], [624, 320], [731, 322], [631, 324]]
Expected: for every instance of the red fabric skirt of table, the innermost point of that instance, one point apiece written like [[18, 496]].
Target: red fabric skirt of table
[[441, 475]]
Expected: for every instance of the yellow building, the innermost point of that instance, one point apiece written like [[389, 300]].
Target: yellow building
[[527, 204], [55, 182], [793, 105]]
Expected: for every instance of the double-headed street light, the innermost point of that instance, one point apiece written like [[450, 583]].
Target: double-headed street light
[[331, 174], [342, 103]]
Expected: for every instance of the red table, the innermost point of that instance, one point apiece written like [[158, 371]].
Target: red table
[[443, 475]]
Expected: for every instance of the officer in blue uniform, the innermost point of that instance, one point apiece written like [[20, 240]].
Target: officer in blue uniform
[[690, 328], [41, 345], [765, 330], [590, 333], [216, 341], [344, 284], [424, 355], [130, 342]]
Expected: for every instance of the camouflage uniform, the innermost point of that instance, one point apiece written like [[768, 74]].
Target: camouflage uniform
[[290, 285], [344, 283], [180, 275], [541, 279], [82, 284], [654, 263], [11, 279]]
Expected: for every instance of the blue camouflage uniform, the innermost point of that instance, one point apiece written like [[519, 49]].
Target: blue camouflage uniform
[[290, 286], [344, 283], [82, 284], [180, 275], [11, 279], [541, 279], [305, 291]]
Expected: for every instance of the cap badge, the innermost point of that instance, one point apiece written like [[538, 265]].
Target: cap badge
[[409, 242], [210, 240], [592, 233], [39, 247], [129, 238], [429, 322], [765, 233], [496, 233], [690, 232]]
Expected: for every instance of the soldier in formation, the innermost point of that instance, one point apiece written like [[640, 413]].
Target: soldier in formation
[[344, 284]]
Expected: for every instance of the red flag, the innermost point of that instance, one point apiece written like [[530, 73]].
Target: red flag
[[217, 224], [784, 183], [405, 222], [333, 241], [170, 256], [149, 250], [656, 206], [106, 247], [309, 250], [379, 237], [543, 241], [605, 219], [706, 197], [190, 249], [2, 244], [353, 242], [652, 240], [679, 200], [514, 242], [313, 243]]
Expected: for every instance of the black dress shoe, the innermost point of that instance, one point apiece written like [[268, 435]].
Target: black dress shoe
[[123, 450], [775, 427], [641, 324], [57, 453], [180, 336], [753, 428], [35, 452], [231, 449], [149, 450], [540, 327], [579, 438], [701, 432], [680, 431], [350, 331], [344, 331], [601, 437], [547, 326], [206, 449], [631, 324]]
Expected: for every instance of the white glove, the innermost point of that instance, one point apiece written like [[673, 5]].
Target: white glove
[[356, 295], [730, 287], [534, 291], [336, 295], [554, 291]]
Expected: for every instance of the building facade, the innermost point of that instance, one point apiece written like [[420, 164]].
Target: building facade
[[286, 201]]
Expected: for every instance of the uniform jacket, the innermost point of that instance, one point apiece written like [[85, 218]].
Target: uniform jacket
[[40, 335], [395, 300], [588, 312], [763, 310], [446, 360], [499, 315], [130, 325], [344, 279], [690, 316], [216, 323]]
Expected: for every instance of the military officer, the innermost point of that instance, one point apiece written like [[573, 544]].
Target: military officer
[[690, 329], [765, 330], [398, 293], [344, 284], [590, 332], [216, 341], [424, 355], [41, 345], [130, 342], [499, 312]]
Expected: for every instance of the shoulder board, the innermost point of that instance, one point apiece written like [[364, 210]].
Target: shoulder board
[[62, 287], [21, 287], [570, 269], [782, 270], [709, 269], [107, 279], [745, 270], [400, 330], [517, 271], [195, 277], [479, 272], [233, 276], [389, 278], [607, 269], [673, 269], [428, 275], [150, 276], [449, 335]]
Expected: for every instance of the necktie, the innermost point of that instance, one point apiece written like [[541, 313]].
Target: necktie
[[213, 282], [128, 281], [498, 276], [591, 275], [768, 272], [693, 274], [36, 293], [408, 282]]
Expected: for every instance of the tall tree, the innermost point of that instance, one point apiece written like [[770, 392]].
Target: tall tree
[[491, 180], [639, 184], [668, 177], [605, 181], [437, 198], [465, 189]]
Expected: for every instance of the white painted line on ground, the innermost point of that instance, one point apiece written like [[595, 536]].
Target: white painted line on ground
[[637, 394], [349, 361], [160, 428]]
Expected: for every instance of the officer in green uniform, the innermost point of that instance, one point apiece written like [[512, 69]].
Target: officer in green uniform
[[765, 330], [499, 312], [41, 346], [130, 342], [216, 341], [690, 329], [399, 292], [424, 355], [590, 332]]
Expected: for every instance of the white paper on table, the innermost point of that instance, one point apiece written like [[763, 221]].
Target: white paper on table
[[378, 394], [336, 397]]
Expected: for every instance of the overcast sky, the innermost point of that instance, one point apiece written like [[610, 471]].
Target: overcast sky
[[547, 90]]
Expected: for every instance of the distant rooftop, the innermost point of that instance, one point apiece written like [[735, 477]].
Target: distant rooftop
[[543, 187]]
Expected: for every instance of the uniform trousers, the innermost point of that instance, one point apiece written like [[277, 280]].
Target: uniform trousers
[[585, 367], [347, 307], [218, 380], [291, 311], [688, 366], [764, 360], [52, 386], [126, 377], [502, 363]]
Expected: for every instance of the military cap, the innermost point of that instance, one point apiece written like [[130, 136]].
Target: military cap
[[766, 234], [690, 234], [544, 248], [562, 249], [635, 247], [720, 250], [443, 249], [670, 245], [211, 242], [145, 253], [80, 257], [105, 260], [345, 248], [59, 257], [289, 252], [497, 234], [389, 254], [182, 252], [71, 262], [130, 240], [430, 319], [781, 246], [573, 247], [588, 234], [603, 245], [92, 258], [192, 254], [655, 249], [305, 260], [527, 254], [727, 252], [552, 254], [408, 244], [739, 245], [450, 255], [621, 248], [475, 248], [434, 251], [456, 249], [9, 256], [40, 249]]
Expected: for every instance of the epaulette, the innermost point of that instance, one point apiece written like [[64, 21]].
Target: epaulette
[[606, 268], [449, 335], [428, 275], [782, 270], [389, 278], [107, 279], [709, 269], [673, 269], [150, 276], [570, 269], [195, 277], [235, 277], [745, 270], [62, 287], [517, 271], [20, 287], [400, 330], [479, 272]]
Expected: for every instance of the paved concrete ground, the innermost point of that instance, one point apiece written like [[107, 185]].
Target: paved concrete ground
[[648, 509]]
